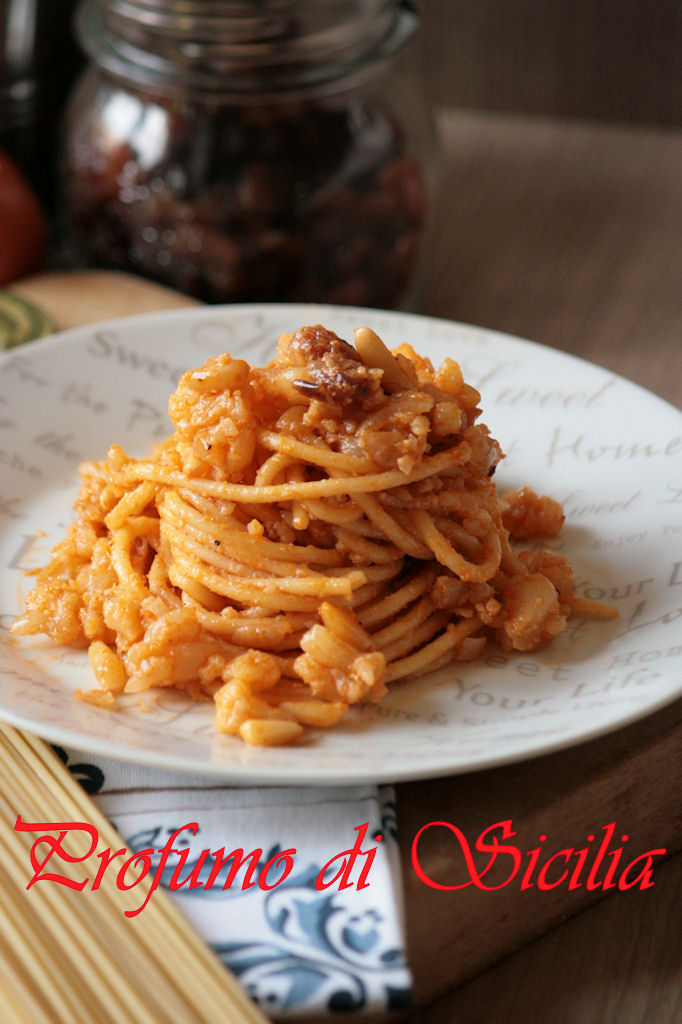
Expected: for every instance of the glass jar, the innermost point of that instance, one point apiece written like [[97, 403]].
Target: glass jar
[[37, 65], [240, 151]]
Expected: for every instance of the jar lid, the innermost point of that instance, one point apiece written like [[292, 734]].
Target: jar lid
[[238, 50]]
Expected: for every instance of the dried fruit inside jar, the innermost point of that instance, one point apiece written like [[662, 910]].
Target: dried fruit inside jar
[[315, 200]]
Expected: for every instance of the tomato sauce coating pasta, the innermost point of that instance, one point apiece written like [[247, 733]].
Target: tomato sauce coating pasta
[[313, 531]]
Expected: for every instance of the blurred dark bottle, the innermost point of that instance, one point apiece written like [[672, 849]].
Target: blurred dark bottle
[[38, 62], [242, 151]]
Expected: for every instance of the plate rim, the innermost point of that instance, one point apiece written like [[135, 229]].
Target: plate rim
[[264, 774], [67, 334]]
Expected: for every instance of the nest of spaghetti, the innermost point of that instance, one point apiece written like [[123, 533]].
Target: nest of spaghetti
[[313, 531]]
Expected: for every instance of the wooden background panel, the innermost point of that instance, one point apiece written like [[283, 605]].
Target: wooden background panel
[[613, 59], [565, 233]]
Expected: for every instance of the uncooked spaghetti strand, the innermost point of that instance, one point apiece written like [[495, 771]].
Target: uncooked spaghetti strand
[[47, 974], [162, 935], [108, 987], [61, 923], [18, 992]]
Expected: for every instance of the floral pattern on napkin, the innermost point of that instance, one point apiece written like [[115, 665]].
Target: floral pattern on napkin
[[297, 949]]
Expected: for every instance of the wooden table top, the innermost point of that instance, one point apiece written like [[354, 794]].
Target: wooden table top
[[566, 233], [571, 235]]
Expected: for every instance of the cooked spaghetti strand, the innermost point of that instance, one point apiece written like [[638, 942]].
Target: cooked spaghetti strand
[[311, 531]]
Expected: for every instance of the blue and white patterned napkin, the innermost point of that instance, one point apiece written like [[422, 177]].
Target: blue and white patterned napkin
[[299, 948]]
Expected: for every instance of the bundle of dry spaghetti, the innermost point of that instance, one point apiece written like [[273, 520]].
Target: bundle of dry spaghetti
[[313, 531], [68, 959]]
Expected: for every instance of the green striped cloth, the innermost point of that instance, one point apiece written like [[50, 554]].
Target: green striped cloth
[[21, 321]]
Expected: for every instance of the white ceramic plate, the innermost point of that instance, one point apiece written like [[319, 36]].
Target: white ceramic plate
[[601, 445]]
